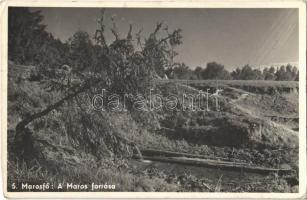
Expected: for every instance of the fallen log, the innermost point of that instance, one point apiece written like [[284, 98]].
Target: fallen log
[[152, 152], [243, 167]]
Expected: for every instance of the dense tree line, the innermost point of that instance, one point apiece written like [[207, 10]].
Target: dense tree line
[[217, 71]]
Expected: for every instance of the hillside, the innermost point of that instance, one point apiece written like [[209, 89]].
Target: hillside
[[255, 126]]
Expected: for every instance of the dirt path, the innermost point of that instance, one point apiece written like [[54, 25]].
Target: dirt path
[[243, 96], [255, 115]]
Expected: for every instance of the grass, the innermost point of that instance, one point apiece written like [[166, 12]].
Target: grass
[[137, 127], [85, 173]]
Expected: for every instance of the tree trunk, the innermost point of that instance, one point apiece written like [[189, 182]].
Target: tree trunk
[[23, 141]]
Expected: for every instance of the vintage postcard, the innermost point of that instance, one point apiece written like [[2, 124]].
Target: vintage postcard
[[175, 99]]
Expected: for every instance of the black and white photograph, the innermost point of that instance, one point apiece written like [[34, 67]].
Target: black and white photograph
[[153, 100]]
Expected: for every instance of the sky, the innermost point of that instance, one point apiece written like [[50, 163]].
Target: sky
[[230, 36]]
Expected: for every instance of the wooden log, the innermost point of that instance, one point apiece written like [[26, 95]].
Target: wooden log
[[218, 164], [152, 152]]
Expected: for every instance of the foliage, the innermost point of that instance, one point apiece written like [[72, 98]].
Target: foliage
[[159, 52], [181, 71], [82, 55], [25, 34], [29, 43], [287, 73], [215, 71], [130, 70], [269, 74]]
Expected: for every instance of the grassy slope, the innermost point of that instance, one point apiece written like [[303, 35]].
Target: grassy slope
[[66, 160], [28, 97]]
